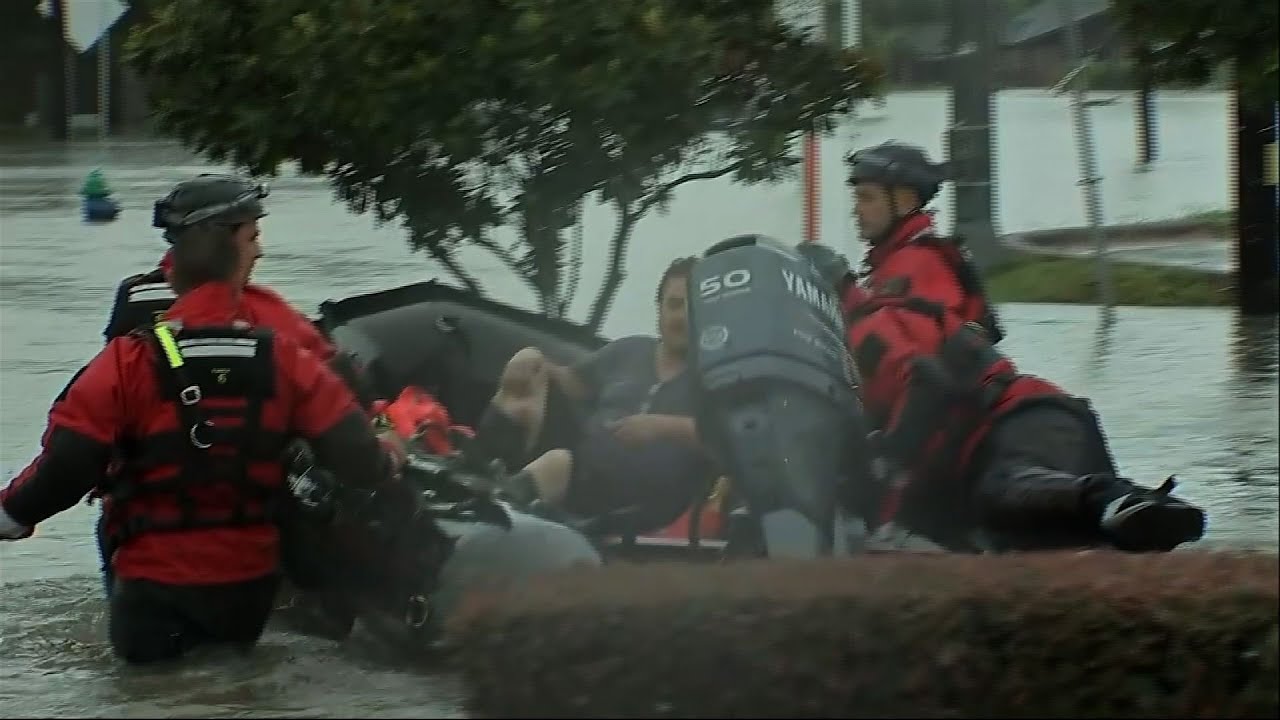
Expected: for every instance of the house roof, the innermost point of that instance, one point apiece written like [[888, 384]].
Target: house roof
[[927, 38], [1046, 17]]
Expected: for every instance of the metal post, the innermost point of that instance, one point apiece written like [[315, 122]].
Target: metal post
[[1144, 109], [69, 57], [851, 20], [1255, 198], [104, 85], [971, 127], [833, 26], [1090, 180], [833, 31], [812, 188]]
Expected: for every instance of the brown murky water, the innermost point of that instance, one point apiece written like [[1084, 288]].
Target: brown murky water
[[1191, 391]]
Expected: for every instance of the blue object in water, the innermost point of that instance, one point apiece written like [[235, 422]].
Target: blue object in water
[[100, 209]]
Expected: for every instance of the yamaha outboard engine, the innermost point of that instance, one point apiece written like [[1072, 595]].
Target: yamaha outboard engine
[[777, 390]]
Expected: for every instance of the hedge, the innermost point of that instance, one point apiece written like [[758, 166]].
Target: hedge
[[1047, 635]]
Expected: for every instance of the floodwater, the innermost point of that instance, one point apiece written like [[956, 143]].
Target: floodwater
[[1185, 391]]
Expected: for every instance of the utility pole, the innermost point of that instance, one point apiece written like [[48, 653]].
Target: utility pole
[[1090, 179], [1144, 110], [971, 130], [833, 30], [1255, 197]]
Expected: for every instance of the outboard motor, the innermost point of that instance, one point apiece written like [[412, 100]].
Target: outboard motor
[[777, 390]]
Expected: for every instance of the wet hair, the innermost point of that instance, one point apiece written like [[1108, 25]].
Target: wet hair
[[206, 252], [679, 268]]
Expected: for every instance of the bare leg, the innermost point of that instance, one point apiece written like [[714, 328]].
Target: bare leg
[[550, 474], [514, 419], [522, 393]]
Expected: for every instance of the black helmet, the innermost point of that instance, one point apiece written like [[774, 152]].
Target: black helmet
[[896, 164], [830, 265], [227, 199]]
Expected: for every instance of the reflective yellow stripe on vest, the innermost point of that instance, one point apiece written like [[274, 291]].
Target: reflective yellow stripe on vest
[[169, 345]]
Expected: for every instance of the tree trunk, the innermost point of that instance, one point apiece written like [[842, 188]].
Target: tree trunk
[[614, 275]]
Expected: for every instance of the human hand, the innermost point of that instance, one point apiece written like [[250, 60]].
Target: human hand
[[395, 448]]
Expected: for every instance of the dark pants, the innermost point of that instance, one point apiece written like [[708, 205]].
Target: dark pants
[[153, 621], [652, 483], [104, 553], [1043, 477]]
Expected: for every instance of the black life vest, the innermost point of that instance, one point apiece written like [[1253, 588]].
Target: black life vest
[[977, 307], [141, 301], [219, 378]]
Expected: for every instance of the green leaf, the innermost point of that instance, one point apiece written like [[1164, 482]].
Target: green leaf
[[455, 119]]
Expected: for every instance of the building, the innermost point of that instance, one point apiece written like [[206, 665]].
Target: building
[[1034, 51], [1033, 48], [45, 81]]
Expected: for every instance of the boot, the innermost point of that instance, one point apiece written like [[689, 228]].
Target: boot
[[1050, 508], [1136, 519]]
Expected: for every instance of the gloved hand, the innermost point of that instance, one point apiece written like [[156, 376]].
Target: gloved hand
[[830, 265], [10, 529], [395, 448]]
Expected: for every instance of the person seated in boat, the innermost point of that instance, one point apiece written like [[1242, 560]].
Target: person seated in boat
[[996, 457], [614, 433]]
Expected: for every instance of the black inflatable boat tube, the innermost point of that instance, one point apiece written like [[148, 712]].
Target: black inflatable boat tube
[[489, 557]]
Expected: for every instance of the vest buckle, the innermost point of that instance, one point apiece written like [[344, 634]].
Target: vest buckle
[[194, 436], [190, 395]]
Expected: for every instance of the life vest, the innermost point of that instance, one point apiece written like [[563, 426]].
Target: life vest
[[416, 415], [977, 307], [197, 474], [141, 301]]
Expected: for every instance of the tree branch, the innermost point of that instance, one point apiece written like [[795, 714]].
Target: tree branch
[[445, 258], [503, 255], [617, 252], [650, 201]]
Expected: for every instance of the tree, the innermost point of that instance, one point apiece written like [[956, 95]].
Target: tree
[[1186, 41], [458, 119]]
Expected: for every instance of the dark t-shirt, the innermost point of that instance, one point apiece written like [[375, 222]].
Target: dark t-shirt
[[622, 379], [664, 475]]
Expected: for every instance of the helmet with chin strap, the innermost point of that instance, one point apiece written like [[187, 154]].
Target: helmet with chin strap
[[894, 164], [224, 199]]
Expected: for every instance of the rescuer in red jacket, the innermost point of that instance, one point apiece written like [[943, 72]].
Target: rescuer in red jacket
[[143, 299], [986, 447], [201, 408]]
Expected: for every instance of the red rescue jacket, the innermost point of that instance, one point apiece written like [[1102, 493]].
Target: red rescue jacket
[[261, 306], [119, 400], [918, 303]]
